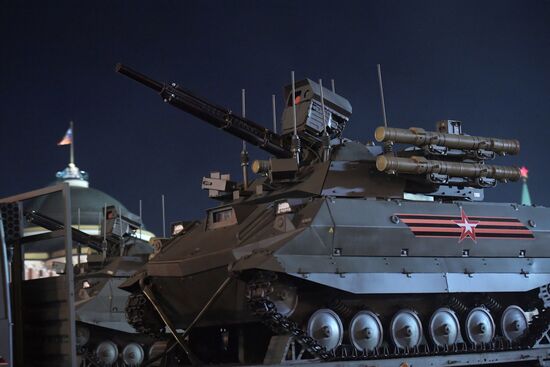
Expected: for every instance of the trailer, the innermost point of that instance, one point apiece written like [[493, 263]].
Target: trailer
[[40, 330]]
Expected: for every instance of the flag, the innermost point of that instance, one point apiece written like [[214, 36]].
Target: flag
[[68, 138]]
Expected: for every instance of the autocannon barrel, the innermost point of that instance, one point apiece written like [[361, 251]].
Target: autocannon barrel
[[420, 137], [421, 165], [213, 114], [139, 77]]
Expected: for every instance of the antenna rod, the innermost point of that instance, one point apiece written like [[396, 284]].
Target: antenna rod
[[244, 152], [72, 142], [120, 229], [140, 219], [78, 248], [105, 222], [333, 86], [274, 113], [382, 94], [326, 138], [243, 105], [295, 145], [293, 101], [163, 218], [323, 106], [99, 226]]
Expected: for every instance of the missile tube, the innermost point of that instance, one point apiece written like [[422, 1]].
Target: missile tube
[[420, 137], [260, 166], [421, 165]]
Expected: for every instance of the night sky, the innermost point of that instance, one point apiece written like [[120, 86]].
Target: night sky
[[486, 63]]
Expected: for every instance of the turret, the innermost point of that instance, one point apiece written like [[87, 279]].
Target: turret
[[309, 120], [445, 163]]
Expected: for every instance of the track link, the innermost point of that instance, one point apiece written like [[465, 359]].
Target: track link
[[259, 303]]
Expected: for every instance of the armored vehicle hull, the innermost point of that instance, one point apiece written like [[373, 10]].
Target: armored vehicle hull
[[104, 336], [351, 255], [352, 251]]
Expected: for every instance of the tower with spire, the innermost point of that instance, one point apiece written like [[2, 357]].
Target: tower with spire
[[525, 197]]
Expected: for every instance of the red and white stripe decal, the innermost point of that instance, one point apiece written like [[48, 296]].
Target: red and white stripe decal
[[450, 226]]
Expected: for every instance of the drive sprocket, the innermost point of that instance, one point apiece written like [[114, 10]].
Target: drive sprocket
[[143, 317]]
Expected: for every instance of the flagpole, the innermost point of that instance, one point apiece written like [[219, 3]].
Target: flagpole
[[72, 143]]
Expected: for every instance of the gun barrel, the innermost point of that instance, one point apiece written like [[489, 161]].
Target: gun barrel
[[139, 77], [54, 225], [217, 116], [421, 165], [419, 137]]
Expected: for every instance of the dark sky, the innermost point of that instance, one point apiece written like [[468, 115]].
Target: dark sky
[[486, 63]]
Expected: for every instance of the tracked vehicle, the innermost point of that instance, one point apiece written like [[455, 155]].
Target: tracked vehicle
[[339, 250], [104, 337]]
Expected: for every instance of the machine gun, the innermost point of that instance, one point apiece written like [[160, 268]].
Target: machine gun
[[309, 124]]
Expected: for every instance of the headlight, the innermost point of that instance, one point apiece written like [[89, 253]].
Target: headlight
[[177, 228], [284, 207]]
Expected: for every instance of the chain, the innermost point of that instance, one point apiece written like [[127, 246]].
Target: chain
[[260, 305]]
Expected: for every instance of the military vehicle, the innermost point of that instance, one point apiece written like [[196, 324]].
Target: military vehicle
[[104, 337], [103, 334], [350, 251]]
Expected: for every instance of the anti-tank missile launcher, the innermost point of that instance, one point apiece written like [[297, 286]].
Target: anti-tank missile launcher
[[373, 253], [454, 140], [460, 159], [421, 165]]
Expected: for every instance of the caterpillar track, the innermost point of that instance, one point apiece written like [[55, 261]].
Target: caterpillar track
[[261, 305]]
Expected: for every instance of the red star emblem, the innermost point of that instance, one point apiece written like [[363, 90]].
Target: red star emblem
[[468, 227], [524, 172]]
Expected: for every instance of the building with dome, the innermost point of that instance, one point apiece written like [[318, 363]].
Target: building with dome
[[87, 205]]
